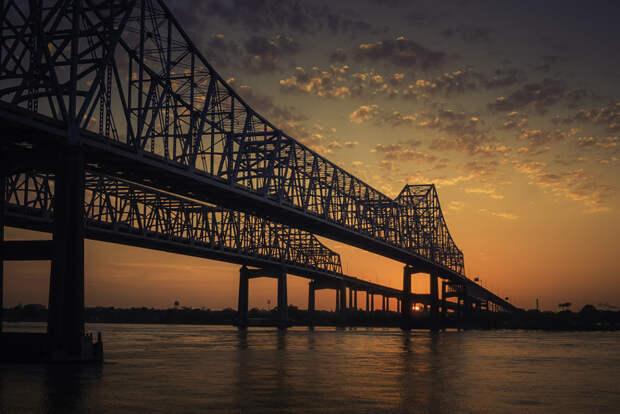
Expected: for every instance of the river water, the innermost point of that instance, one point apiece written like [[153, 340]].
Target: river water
[[186, 369]]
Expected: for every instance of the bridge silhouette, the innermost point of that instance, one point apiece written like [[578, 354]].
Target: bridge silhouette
[[116, 128]]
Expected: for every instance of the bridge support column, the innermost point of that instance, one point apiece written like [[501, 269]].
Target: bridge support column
[[343, 298], [311, 301], [434, 301], [66, 294], [2, 198], [242, 308], [350, 298], [355, 299], [467, 305], [444, 302], [383, 303], [406, 305], [282, 300], [372, 302], [337, 300], [367, 301]]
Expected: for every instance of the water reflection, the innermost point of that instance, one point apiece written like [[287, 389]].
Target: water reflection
[[219, 369], [69, 386]]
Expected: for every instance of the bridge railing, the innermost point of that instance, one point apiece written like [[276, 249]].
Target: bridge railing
[[126, 207], [126, 72]]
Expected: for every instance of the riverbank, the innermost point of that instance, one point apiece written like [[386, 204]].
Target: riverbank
[[589, 318]]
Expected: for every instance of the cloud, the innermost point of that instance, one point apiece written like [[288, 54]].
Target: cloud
[[541, 95], [258, 54], [399, 146], [506, 216], [597, 142], [364, 113], [607, 115], [323, 83], [448, 83], [338, 82], [409, 155], [263, 54], [456, 205], [500, 78], [400, 52], [576, 185], [538, 137], [515, 120], [491, 192]]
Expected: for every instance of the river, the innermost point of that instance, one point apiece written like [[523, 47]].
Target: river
[[189, 368]]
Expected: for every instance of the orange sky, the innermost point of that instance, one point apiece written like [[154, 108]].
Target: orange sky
[[512, 113]]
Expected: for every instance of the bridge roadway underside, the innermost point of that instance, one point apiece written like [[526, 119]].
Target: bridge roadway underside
[[124, 161]]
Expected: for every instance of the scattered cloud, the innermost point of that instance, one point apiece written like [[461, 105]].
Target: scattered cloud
[[597, 142], [607, 116], [364, 113], [491, 192], [506, 216], [400, 52], [576, 185], [541, 95], [456, 205]]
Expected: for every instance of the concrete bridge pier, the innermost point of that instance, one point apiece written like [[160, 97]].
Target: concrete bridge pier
[[354, 299], [467, 304], [65, 325], [372, 302], [406, 305], [367, 301], [311, 300], [343, 298], [282, 300], [383, 308], [245, 275], [444, 302], [242, 307], [351, 298], [2, 197], [434, 301]]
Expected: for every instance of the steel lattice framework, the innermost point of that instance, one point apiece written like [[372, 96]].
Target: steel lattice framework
[[124, 80], [116, 208]]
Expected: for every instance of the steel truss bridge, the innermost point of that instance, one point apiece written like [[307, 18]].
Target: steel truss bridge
[[146, 144]]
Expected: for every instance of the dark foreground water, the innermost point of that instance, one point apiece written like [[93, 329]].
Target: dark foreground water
[[184, 369]]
